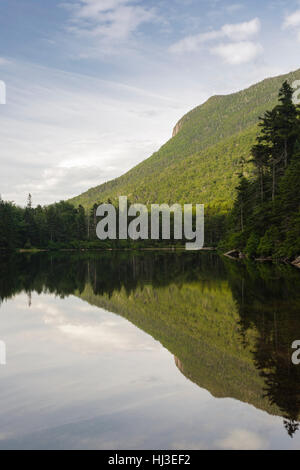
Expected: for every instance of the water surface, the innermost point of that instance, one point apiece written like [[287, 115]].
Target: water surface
[[148, 350]]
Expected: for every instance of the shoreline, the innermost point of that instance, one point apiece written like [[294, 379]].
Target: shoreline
[[237, 255], [47, 250], [234, 255]]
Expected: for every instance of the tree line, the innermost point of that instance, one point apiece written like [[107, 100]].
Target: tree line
[[40, 227], [265, 220], [64, 226]]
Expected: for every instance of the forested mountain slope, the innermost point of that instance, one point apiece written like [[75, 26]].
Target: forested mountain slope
[[219, 342], [199, 164]]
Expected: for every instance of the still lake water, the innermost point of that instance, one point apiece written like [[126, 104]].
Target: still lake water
[[153, 350]]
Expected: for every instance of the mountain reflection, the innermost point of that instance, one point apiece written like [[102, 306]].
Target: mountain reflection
[[229, 325]]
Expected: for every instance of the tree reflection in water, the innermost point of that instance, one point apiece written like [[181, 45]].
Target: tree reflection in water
[[226, 322]]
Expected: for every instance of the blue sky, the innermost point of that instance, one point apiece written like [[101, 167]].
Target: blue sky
[[95, 86]]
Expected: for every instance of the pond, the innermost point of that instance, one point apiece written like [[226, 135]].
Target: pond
[[148, 350]]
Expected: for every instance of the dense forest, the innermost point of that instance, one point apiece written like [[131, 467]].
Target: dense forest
[[41, 227], [265, 220], [64, 226], [53, 227]]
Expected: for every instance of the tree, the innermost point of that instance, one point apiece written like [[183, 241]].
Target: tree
[[260, 154], [273, 218], [29, 201], [279, 132], [287, 121], [242, 201], [81, 224]]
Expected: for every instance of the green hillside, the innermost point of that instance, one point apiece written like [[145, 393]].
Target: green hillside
[[228, 325], [199, 163], [199, 323]]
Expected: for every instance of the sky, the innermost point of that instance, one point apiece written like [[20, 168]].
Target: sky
[[94, 87]]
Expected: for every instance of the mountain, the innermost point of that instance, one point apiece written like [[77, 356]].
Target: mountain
[[199, 164], [229, 326]]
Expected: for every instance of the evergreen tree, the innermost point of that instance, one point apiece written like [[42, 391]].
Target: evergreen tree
[[270, 224]]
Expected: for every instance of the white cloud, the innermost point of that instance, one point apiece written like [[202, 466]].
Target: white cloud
[[241, 31], [66, 132], [97, 330], [111, 22], [241, 439], [234, 32], [293, 20], [238, 52], [194, 42]]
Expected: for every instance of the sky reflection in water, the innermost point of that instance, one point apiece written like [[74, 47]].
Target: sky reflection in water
[[79, 376]]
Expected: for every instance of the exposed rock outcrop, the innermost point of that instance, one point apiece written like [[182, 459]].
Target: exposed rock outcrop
[[296, 262], [177, 128]]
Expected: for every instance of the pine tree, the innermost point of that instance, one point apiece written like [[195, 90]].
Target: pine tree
[[260, 154], [287, 122], [81, 224], [242, 201], [270, 223]]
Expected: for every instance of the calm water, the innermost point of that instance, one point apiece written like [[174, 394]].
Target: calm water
[[150, 350]]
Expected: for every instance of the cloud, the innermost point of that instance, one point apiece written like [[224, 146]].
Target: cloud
[[241, 439], [111, 22], [241, 31], [96, 330], [109, 335], [192, 43], [67, 132], [238, 52], [292, 21], [234, 32]]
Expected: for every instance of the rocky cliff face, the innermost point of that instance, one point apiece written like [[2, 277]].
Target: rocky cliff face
[[177, 128]]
